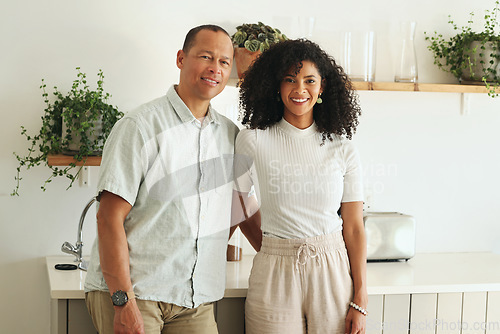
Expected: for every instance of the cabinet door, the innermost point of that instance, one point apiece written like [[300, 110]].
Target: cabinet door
[[375, 314], [493, 313], [396, 314], [423, 313], [474, 313], [230, 315], [58, 313], [79, 321], [449, 313]]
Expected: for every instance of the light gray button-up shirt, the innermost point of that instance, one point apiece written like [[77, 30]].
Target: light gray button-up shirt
[[176, 172]]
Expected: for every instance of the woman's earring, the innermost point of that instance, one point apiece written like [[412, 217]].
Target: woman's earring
[[319, 100], [278, 97]]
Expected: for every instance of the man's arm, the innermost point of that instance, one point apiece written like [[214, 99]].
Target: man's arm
[[114, 258]]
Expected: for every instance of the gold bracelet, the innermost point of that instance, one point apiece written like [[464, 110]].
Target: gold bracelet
[[358, 308]]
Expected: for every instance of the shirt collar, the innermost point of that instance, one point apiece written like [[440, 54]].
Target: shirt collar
[[183, 111]]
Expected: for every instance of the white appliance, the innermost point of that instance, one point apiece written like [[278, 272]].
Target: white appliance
[[390, 236]]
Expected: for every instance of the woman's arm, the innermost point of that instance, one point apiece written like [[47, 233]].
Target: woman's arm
[[355, 240], [252, 231], [245, 213]]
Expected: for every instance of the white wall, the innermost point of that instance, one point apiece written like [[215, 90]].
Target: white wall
[[421, 156]]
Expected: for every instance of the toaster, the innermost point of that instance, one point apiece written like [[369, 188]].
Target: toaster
[[390, 236]]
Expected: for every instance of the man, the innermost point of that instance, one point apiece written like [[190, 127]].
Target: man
[[165, 203]]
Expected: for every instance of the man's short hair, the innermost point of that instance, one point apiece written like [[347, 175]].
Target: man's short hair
[[191, 35]]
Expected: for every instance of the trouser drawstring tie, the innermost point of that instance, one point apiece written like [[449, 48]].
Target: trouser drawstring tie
[[304, 252]]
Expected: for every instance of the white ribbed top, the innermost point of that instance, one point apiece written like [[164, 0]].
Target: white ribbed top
[[300, 184]]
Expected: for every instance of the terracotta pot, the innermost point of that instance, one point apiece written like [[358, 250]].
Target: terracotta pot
[[244, 59]]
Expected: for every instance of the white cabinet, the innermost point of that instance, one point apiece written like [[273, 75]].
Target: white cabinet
[[375, 316], [449, 313], [493, 313], [474, 313], [443, 313], [423, 313], [396, 314], [432, 313]]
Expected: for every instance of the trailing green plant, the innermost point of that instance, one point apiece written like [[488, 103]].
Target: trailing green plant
[[471, 55], [81, 119], [256, 37]]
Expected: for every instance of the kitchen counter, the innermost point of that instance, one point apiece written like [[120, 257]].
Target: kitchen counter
[[68, 284], [425, 273]]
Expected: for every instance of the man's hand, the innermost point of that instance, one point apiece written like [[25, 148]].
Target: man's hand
[[128, 319]]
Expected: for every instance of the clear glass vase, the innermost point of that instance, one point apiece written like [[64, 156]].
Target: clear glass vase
[[407, 69], [358, 55]]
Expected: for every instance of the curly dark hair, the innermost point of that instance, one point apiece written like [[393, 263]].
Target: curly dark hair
[[260, 108]]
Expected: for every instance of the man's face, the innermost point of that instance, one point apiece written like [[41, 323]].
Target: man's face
[[205, 68]]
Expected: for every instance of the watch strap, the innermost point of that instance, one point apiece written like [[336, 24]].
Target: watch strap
[[130, 295]]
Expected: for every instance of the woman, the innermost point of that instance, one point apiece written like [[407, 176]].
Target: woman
[[310, 273]]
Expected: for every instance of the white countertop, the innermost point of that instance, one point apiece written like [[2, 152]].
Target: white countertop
[[425, 273]]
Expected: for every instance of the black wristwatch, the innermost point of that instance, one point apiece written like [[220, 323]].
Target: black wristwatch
[[120, 298]]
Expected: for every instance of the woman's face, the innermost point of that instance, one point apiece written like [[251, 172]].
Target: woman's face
[[299, 93]]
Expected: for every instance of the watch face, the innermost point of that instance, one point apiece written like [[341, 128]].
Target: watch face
[[119, 298]]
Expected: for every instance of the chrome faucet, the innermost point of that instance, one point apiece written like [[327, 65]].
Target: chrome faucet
[[77, 250]]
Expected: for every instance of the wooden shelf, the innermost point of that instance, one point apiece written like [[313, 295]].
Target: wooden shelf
[[65, 160], [407, 87], [419, 87]]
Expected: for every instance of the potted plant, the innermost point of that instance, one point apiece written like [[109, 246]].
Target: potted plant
[[472, 57], [77, 124], [250, 40]]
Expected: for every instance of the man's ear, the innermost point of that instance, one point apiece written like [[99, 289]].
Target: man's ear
[[180, 59]]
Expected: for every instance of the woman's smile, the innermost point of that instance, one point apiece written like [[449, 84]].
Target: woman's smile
[[299, 92]]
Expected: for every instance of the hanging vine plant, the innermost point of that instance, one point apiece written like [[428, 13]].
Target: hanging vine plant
[[76, 124], [472, 57]]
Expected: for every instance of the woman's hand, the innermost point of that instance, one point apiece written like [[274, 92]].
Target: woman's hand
[[355, 322]]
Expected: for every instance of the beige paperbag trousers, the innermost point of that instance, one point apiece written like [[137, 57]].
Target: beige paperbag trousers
[[299, 286]]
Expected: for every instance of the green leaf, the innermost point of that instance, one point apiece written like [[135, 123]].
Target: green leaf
[[252, 45]]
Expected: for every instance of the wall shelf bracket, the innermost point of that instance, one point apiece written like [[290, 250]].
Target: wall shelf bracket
[[464, 104]]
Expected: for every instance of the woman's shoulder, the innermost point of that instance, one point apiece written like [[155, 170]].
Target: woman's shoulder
[[346, 147], [245, 141], [247, 135]]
